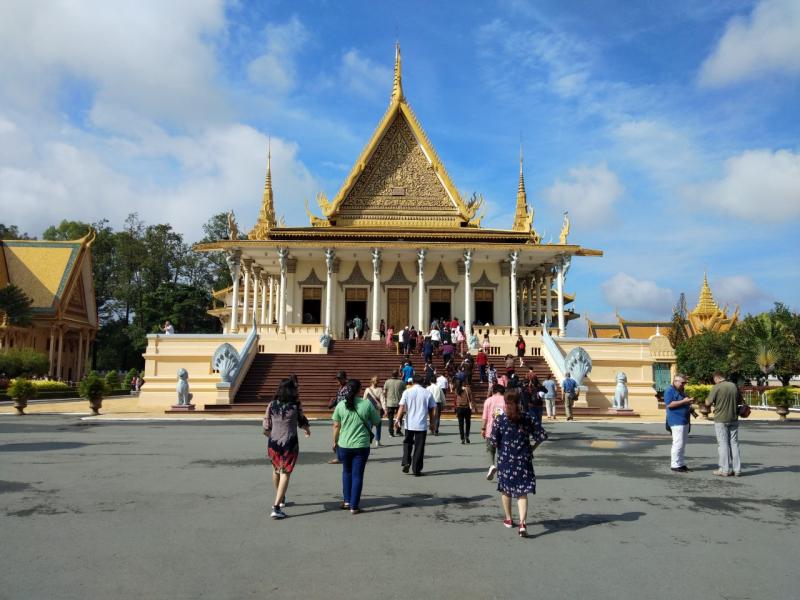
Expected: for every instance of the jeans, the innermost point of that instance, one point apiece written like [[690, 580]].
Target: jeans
[[377, 429], [464, 415], [679, 435], [414, 450], [536, 414], [551, 406], [569, 400], [482, 373], [728, 442], [391, 411], [354, 461]]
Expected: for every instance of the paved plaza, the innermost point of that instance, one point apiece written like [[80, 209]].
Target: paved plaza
[[92, 509]]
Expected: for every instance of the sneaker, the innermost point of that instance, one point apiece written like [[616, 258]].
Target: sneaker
[[468, 440], [463, 442], [355, 511], [523, 530], [490, 473], [282, 503], [344, 506], [508, 523], [277, 513], [406, 468], [719, 473]]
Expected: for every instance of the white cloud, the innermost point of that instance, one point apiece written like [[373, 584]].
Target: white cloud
[[363, 77], [589, 193], [276, 69], [768, 41], [740, 290], [758, 184], [623, 291], [127, 54], [663, 150]]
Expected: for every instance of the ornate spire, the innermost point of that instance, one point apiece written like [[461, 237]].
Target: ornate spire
[[522, 218], [706, 304], [266, 216], [397, 86]]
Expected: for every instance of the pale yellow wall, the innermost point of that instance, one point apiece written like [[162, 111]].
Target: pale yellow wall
[[610, 357]]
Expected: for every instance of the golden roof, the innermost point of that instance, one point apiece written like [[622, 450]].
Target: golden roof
[[266, 217], [706, 304]]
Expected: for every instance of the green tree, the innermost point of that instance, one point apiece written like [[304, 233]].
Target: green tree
[[16, 305], [766, 344], [700, 355], [66, 230], [677, 332], [215, 229], [11, 232]]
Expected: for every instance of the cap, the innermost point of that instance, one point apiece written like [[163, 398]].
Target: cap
[[341, 374], [410, 380]]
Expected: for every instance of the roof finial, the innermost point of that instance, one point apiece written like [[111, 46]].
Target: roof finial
[[268, 182], [397, 86], [523, 219]]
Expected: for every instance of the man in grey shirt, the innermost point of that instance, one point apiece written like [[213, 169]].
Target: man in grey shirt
[[725, 398], [392, 390], [549, 385]]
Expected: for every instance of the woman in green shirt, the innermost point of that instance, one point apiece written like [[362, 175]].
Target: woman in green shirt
[[352, 423]]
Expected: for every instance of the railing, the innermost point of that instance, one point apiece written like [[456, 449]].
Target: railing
[[756, 399], [553, 355], [248, 352]]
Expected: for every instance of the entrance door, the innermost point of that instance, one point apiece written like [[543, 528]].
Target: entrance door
[[484, 307], [440, 305], [312, 305], [398, 300], [355, 305]]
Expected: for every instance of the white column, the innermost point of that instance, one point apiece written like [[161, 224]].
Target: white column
[[562, 330], [79, 358], [234, 264], [529, 316], [248, 262], [421, 254], [263, 320], [271, 310], [375, 333], [256, 292], [468, 292], [537, 284], [548, 303], [330, 255], [514, 259], [283, 253]]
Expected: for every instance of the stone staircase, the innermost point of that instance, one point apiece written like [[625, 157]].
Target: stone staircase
[[361, 359]]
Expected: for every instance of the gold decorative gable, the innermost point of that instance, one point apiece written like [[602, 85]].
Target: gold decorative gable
[[77, 302]]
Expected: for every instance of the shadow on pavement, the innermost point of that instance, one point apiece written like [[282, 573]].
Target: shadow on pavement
[[582, 521], [566, 475]]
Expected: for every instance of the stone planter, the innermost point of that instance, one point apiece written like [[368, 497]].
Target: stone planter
[[782, 411], [20, 406], [96, 405], [704, 410]]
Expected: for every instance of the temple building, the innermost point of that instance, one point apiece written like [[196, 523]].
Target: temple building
[[57, 277], [397, 243], [706, 316]]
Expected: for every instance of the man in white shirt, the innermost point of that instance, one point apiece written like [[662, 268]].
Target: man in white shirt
[[438, 397], [417, 405]]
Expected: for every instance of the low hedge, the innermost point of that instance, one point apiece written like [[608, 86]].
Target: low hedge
[[51, 386], [782, 396], [698, 391]]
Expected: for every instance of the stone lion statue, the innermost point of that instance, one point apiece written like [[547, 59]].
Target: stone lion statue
[[621, 391], [184, 397]]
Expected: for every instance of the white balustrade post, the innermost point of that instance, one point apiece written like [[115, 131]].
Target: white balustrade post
[[283, 254], [467, 292], [537, 284], [330, 254], [375, 333], [514, 259], [263, 299]]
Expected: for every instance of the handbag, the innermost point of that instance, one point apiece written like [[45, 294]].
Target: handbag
[[369, 429], [744, 411]]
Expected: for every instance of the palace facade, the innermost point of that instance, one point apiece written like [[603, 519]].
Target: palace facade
[[397, 243]]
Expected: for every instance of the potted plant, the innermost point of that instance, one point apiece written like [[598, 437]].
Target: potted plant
[[700, 392], [781, 398], [93, 388], [20, 391]]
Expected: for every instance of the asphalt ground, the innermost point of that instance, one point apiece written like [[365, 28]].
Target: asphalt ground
[[98, 509]]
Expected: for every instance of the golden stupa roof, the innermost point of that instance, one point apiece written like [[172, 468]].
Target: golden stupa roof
[[706, 305]]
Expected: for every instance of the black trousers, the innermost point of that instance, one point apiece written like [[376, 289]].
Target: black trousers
[[391, 411], [414, 450], [464, 415]]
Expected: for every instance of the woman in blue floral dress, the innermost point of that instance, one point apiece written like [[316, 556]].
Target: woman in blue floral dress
[[511, 435]]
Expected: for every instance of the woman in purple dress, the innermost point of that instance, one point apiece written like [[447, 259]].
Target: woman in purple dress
[[284, 415], [511, 435]]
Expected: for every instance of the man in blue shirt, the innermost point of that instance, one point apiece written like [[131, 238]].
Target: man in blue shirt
[[679, 409], [417, 405], [570, 387]]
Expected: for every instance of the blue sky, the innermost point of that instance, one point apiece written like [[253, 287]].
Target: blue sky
[[668, 130]]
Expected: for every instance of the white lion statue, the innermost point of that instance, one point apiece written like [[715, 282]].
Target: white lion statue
[[184, 397], [621, 391]]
